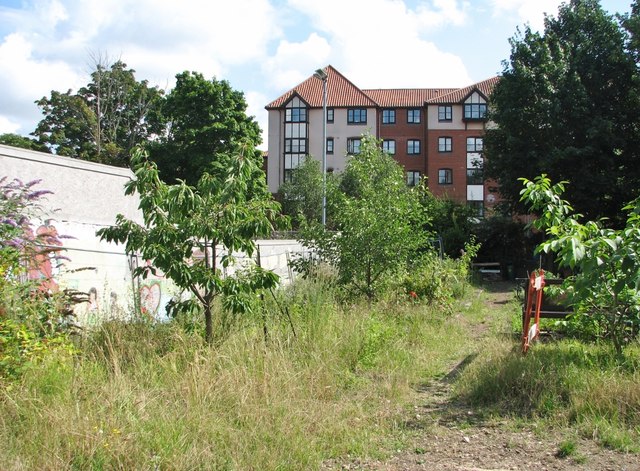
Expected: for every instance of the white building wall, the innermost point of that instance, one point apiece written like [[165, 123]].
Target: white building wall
[[86, 197], [275, 169]]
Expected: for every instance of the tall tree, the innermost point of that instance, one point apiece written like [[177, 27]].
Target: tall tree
[[379, 222], [567, 105], [205, 119], [104, 120], [301, 197]]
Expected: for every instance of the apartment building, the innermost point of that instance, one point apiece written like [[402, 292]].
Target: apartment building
[[433, 133]]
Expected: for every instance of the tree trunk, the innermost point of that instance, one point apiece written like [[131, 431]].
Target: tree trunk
[[208, 324]]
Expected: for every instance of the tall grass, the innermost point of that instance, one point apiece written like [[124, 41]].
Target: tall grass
[[563, 383], [142, 396]]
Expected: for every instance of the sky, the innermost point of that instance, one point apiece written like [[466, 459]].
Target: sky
[[261, 47]]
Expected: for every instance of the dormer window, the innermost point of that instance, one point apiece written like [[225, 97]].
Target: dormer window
[[475, 111]]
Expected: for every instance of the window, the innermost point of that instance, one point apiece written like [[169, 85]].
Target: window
[[388, 116], [475, 111], [413, 146], [295, 146], [353, 145], [445, 144], [413, 116], [445, 113], [389, 146], [295, 115], [478, 207], [329, 145], [445, 176], [474, 176], [474, 144], [330, 114], [288, 175], [413, 177], [357, 116]]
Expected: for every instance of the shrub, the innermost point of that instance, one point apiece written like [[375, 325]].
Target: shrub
[[439, 281], [604, 290], [34, 318]]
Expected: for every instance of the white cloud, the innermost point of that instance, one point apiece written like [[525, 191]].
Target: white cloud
[[379, 43], [527, 11], [8, 127], [24, 79], [445, 12], [49, 44], [255, 107], [294, 62]]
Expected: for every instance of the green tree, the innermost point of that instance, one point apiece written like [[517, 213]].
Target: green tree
[[379, 222], [104, 120], [605, 291], [302, 196], [22, 142], [631, 23], [204, 120], [567, 105], [453, 222], [190, 233]]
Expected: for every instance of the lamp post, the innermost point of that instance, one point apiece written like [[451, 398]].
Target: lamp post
[[322, 75]]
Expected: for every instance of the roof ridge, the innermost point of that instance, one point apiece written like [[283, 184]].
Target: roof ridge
[[358, 89], [484, 86], [342, 92]]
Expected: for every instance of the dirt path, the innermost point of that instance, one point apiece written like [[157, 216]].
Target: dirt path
[[450, 436]]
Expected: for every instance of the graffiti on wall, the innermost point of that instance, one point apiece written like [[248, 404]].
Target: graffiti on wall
[[150, 297], [45, 265]]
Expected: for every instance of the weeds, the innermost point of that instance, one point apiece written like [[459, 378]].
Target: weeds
[[148, 396]]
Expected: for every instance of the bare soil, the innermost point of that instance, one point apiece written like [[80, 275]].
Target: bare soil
[[449, 435]]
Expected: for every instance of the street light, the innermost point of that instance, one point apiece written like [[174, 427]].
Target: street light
[[322, 75]]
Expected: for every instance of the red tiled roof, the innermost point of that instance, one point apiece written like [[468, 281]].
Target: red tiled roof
[[405, 96], [340, 92], [456, 96]]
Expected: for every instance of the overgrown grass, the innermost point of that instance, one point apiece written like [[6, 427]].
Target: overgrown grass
[[560, 383], [143, 396]]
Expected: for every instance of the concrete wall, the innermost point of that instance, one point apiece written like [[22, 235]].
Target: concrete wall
[[86, 197]]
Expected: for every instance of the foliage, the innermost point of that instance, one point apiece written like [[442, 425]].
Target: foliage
[[34, 321], [379, 223], [21, 248], [104, 120], [341, 388], [191, 233], [451, 220], [22, 142], [204, 121], [505, 240], [605, 289], [439, 281], [302, 196], [567, 105]]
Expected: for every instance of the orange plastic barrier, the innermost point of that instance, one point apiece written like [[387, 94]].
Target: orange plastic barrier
[[531, 331]]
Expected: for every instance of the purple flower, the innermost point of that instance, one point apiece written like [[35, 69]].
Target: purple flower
[[10, 222]]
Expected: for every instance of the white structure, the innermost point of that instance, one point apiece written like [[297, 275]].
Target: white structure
[[88, 196]]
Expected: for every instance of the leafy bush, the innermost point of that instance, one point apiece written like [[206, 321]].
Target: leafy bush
[[34, 318], [379, 223], [439, 281]]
